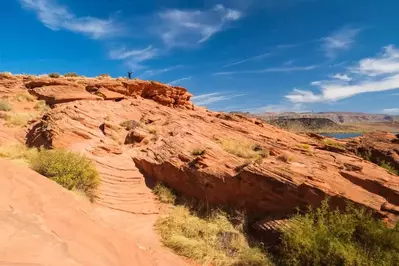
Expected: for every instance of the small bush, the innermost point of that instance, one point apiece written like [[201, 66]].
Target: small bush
[[5, 106], [25, 96], [40, 105], [198, 152], [70, 170], [129, 124], [164, 194], [71, 75], [335, 144], [104, 76], [243, 148], [389, 168], [209, 240], [324, 237], [54, 75], [285, 158]]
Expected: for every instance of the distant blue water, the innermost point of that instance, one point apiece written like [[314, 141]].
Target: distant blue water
[[342, 135]]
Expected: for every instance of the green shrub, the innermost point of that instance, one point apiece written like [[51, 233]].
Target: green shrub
[[324, 237], [330, 142], [71, 75], [72, 171], [164, 194], [54, 75], [104, 76], [5, 106], [389, 168]]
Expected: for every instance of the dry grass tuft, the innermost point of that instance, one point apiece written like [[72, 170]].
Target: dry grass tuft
[[17, 152], [18, 119], [243, 148], [198, 152], [211, 240], [164, 194], [5, 106], [25, 96]]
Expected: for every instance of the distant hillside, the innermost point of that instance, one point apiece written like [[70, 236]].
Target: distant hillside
[[306, 124], [337, 117]]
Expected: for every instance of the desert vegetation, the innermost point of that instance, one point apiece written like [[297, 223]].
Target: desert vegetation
[[104, 76], [335, 144], [389, 167], [210, 238], [5, 106], [25, 96], [319, 236], [71, 75], [71, 170], [198, 152], [243, 148], [325, 237], [54, 75]]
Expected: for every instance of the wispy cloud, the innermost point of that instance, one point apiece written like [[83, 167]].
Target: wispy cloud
[[211, 98], [153, 72], [391, 111], [277, 108], [133, 58], [340, 40], [380, 73], [258, 57], [189, 27], [268, 70], [57, 17], [343, 77], [178, 81]]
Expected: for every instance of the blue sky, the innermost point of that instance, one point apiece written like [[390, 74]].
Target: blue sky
[[249, 55]]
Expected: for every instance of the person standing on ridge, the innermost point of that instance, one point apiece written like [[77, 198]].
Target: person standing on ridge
[[129, 74]]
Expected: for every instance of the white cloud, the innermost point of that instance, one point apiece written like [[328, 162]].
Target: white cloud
[[177, 81], [211, 98], [343, 77], [249, 59], [376, 74], [386, 63], [340, 40], [187, 27], [278, 108], [268, 70], [391, 111], [133, 58], [153, 72], [57, 17]]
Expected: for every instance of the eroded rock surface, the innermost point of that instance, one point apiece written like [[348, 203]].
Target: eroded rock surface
[[155, 133], [43, 224], [378, 147], [296, 171]]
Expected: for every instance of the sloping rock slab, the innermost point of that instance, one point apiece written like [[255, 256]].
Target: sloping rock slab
[[43, 224], [110, 95], [63, 94]]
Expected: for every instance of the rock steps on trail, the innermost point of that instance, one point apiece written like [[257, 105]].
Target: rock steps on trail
[[122, 186]]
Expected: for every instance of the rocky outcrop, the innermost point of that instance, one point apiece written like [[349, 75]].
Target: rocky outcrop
[[216, 157], [378, 147], [62, 93], [243, 162]]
